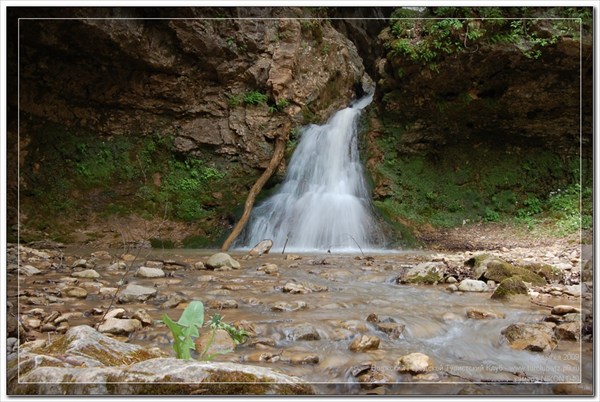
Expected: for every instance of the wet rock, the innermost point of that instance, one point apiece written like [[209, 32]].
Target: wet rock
[[199, 265], [284, 306], [143, 316], [303, 332], [29, 270], [425, 273], [303, 288], [64, 317], [265, 341], [568, 331], [48, 327], [115, 313], [116, 266], [573, 290], [364, 343], [269, 269], [537, 337], [548, 272], [564, 309], [392, 329], [220, 260], [292, 257], [118, 326], [414, 363], [33, 323], [261, 248], [373, 379], [471, 285], [483, 315], [148, 272], [262, 357], [74, 291], [372, 318], [452, 288], [107, 292], [209, 344], [293, 357], [88, 273], [451, 280], [136, 293], [101, 255], [499, 270], [223, 304], [80, 263], [509, 287], [154, 264], [174, 300]]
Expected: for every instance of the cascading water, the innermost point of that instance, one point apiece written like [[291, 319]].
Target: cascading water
[[324, 201]]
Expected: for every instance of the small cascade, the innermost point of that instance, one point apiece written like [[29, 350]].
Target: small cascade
[[324, 201]]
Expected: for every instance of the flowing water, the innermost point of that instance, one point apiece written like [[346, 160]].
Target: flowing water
[[324, 201], [463, 350]]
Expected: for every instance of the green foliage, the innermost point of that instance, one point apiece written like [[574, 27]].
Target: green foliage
[[255, 98], [186, 329], [238, 335], [279, 106], [429, 35]]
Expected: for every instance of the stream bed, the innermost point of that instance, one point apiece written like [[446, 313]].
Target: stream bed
[[303, 311]]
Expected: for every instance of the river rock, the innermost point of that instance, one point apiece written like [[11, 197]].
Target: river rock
[[568, 331], [148, 272], [115, 313], [261, 248], [573, 290], [118, 326], [303, 288], [143, 316], [425, 273], [292, 257], [199, 265], [536, 337], [302, 332], [29, 270], [269, 269], [220, 260], [364, 343], [510, 287], [74, 291], [136, 293], [564, 309], [117, 266], [471, 285], [88, 273], [207, 344], [414, 363], [173, 301], [284, 306], [392, 329], [476, 314]]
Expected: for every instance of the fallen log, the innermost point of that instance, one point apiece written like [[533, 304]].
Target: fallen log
[[275, 161]]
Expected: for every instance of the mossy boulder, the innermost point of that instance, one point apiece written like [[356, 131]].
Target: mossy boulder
[[548, 272], [427, 273], [499, 270], [509, 287]]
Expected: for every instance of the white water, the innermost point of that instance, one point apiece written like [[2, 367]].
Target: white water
[[324, 201]]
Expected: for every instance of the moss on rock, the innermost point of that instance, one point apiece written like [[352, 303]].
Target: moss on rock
[[509, 287], [499, 270], [548, 272]]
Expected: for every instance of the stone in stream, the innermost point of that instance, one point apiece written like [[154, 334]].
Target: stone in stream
[[173, 301], [392, 329], [261, 248], [471, 285], [223, 304], [118, 326], [564, 309], [88, 273], [568, 331], [414, 363], [284, 306], [29, 270], [148, 272], [536, 337], [143, 316], [209, 344], [364, 343], [483, 315], [74, 291], [509, 287], [115, 313], [222, 260], [302, 332], [303, 288], [269, 269], [424, 273], [136, 293]]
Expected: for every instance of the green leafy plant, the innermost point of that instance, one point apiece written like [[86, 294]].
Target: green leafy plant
[[238, 335], [255, 98], [186, 328]]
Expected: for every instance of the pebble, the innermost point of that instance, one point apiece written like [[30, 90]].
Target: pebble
[[133, 293], [74, 291], [149, 272], [88, 273], [173, 301], [29, 270]]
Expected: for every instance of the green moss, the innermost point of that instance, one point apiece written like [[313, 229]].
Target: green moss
[[430, 278], [498, 271], [509, 287], [548, 272], [475, 262]]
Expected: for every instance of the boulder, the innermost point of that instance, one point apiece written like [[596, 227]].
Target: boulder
[[536, 337], [476, 314], [509, 287], [568, 331], [425, 273], [222, 260]]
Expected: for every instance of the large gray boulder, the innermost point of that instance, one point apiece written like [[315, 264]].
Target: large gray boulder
[[86, 362]]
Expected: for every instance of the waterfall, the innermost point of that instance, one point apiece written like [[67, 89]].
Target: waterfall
[[324, 201]]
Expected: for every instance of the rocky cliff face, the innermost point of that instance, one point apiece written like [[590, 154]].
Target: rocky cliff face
[[222, 83]]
